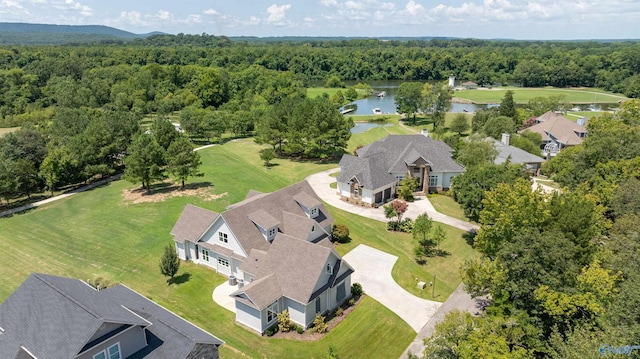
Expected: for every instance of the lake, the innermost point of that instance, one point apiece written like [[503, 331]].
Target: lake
[[387, 104]]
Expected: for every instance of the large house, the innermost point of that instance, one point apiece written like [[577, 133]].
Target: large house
[[558, 132], [277, 245], [515, 154], [62, 318], [372, 176]]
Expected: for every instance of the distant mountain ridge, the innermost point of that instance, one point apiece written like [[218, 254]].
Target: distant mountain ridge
[[28, 33]]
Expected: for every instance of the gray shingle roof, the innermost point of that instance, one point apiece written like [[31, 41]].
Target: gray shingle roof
[[275, 204], [54, 317], [192, 223], [391, 154], [516, 154]]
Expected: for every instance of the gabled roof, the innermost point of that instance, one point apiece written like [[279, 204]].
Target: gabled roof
[[263, 219], [275, 204], [515, 154], [306, 200], [559, 128], [54, 317], [291, 268], [192, 223], [375, 162]]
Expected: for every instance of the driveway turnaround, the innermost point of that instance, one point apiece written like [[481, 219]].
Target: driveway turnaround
[[321, 181], [373, 270]]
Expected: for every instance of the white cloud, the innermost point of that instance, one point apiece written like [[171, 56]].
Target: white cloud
[[211, 12], [164, 15], [277, 15], [329, 2], [71, 5], [414, 8]]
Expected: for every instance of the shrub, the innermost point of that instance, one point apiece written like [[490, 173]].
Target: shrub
[[356, 290], [319, 325], [284, 322], [271, 331], [339, 312], [299, 329], [406, 225], [340, 233], [351, 302]]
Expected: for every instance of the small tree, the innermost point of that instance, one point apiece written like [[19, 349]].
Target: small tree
[[356, 290], [437, 236], [266, 155], [284, 321], [319, 325], [169, 263], [460, 124], [182, 161], [407, 187], [340, 233], [332, 353], [422, 227]]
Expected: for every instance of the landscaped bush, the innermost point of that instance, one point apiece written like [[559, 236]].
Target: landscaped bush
[[351, 302], [339, 312], [284, 322], [406, 225], [299, 329], [319, 325], [340, 233], [356, 290], [271, 331]]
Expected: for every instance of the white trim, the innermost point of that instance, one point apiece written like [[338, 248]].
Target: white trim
[[1, 330], [130, 311], [115, 336], [28, 352], [108, 350]]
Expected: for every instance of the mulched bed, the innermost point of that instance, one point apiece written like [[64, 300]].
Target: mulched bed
[[331, 319]]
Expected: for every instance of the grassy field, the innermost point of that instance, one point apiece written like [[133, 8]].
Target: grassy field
[[97, 234], [523, 95], [447, 205], [7, 130]]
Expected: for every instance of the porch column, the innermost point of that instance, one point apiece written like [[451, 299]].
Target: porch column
[[425, 180]]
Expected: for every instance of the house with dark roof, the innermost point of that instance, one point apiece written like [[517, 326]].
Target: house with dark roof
[[558, 132], [277, 245], [372, 176], [514, 154], [61, 318]]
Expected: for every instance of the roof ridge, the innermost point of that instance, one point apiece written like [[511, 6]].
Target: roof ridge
[[68, 296]]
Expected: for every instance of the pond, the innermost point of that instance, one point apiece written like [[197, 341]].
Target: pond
[[387, 104], [361, 127]]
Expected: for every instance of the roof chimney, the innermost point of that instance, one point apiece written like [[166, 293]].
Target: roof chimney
[[425, 132], [505, 138]]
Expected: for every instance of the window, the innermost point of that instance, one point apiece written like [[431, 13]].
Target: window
[[223, 237], [205, 254], [355, 192], [314, 212], [313, 228], [114, 351], [223, 261], [272, 312], [272, 232], [318, 305], [433, 181], [329, 268], [341, 292]]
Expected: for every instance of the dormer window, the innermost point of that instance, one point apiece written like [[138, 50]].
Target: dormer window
[[329, 268], [272, 232], [314, 212]]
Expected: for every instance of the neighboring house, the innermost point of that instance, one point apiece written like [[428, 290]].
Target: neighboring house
[[278, 247], [62, 318], [558, 132], [515, 154], [372, 176], [470, 85]]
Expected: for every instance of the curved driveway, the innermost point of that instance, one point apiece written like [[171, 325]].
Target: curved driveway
[[373, 270], [320, 182]]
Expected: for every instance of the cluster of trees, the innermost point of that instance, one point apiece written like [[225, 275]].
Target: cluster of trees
[[559, 272], [431, 99]]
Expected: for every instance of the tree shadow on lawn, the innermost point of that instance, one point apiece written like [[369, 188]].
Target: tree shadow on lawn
[[469, 237], [168, 187], [180, 279]]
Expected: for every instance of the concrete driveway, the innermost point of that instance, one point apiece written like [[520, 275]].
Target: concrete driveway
[[373, 270], [321, 181]]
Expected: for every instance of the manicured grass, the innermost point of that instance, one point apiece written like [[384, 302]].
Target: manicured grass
[[447, 205], [7, 130], [377, 133], [96, 234], [523, 95], [406, 270]]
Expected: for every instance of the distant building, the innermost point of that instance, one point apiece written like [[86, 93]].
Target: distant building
[[469, 85], [558, 132], [515, 154]]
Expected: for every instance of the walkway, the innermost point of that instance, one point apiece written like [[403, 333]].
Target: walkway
[[373, 270], [320, 182]]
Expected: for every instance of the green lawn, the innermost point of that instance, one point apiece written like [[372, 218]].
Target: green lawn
[[447, 205], [95, 234], [523, 95], [377, 133], [406, 270]]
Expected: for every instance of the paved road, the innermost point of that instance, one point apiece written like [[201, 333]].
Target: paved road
[[373, 270], [320, 183]]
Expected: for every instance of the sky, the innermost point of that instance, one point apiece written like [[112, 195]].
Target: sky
[[483, 19]]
